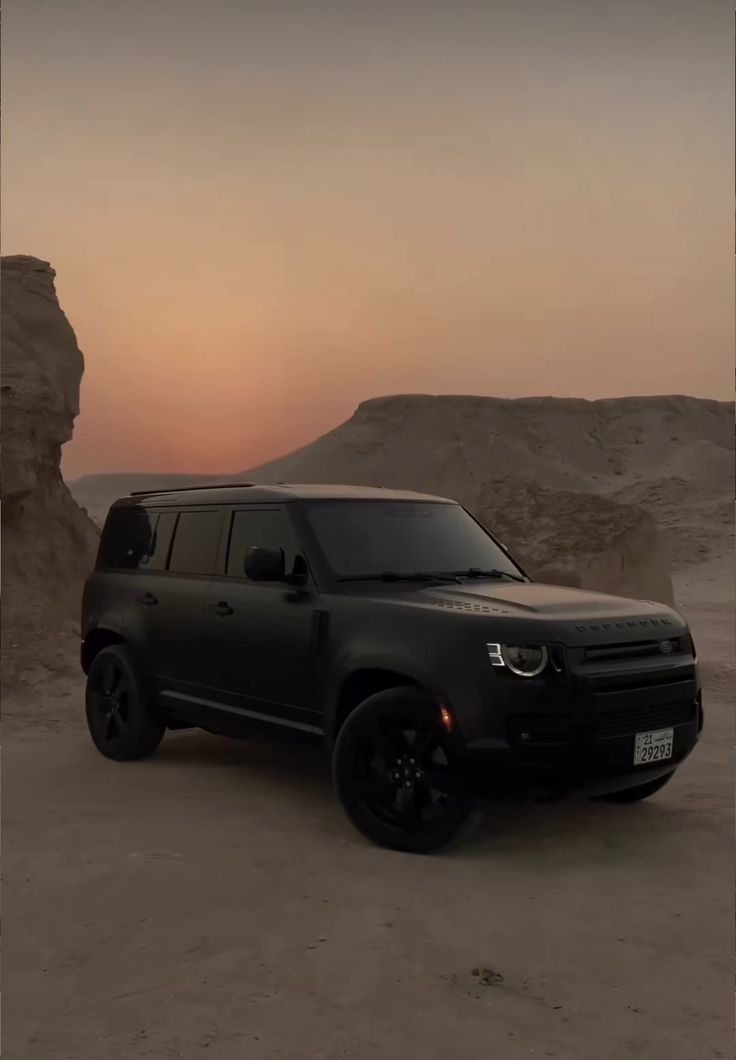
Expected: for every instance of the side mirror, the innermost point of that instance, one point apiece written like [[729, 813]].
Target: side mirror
[[265, 564]]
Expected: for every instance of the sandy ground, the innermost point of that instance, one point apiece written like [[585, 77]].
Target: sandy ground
[[213, 901]]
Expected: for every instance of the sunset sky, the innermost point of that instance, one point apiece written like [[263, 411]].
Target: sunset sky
[[262, 212]]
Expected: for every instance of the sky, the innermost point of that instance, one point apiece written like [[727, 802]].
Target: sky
[[263, 212]]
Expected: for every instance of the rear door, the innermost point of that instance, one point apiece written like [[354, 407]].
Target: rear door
[[260, 633], [174, 601], [134, 546]]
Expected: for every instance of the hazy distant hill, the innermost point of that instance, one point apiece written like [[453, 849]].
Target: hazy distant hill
[[672, 455]]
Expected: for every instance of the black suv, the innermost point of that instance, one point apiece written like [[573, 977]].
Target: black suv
[[396, 629]]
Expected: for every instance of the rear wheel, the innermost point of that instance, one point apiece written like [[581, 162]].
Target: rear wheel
[[394, 773], [643, 791], [119, 716]]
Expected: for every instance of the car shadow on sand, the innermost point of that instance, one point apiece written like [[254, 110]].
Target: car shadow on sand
[[297, 775]]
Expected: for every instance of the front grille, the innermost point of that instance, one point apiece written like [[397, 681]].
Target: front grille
[[637, 650], [625, 721]]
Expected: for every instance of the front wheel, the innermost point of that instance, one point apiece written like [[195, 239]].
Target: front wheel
[[119, 716], [394, 774], [638, 794]]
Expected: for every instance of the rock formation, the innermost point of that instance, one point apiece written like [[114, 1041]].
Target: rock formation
[[581, 464], [49, 543], [608, 494], [459, 445], [570, 538], [605, 494]]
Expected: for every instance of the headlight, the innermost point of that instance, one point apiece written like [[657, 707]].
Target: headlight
[[525, 660]]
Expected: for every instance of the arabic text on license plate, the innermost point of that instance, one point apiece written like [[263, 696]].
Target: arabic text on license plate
[[653, 746]]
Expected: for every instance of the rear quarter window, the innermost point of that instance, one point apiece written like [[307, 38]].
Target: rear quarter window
[[127, 538], [136, 538]]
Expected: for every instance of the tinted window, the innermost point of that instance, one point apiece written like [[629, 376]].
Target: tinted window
[[127, 538], [161, 543], [196, 540], [366, 538], [266, 529]]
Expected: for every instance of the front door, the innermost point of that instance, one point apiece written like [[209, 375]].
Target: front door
[[260, 633]]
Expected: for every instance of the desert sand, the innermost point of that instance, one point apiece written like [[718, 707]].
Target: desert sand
[[213, 901], [215, 898]]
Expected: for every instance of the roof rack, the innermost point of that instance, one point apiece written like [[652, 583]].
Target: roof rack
[[186, 489]]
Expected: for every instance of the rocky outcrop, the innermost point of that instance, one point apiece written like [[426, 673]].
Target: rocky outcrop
[[608, 494], [654, 474], [568, 538], [49, 543], [459, 445]]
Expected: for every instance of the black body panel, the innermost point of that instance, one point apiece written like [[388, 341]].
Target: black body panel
[[226, 653]]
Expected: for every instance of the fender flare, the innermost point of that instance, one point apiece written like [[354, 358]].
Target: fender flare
[[384, 659]]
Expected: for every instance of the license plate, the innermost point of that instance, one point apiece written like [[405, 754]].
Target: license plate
[[653, 746]]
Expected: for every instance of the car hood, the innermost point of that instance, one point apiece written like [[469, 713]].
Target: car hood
[[573, 616]]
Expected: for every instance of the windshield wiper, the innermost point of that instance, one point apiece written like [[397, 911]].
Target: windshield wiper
[[478, 572], [396, 576]]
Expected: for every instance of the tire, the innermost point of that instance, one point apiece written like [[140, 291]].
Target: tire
[[119, 717], [394, 774], [638, 794]]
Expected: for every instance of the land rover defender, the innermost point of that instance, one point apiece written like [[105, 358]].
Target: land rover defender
[[395, 629]]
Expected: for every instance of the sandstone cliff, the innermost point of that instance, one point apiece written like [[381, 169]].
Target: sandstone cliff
[[48, 542]]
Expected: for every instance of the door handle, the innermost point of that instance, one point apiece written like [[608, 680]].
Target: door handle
[[148, 599], [221, 608]]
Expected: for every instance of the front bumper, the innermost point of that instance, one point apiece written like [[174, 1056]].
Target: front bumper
[[550, 740]]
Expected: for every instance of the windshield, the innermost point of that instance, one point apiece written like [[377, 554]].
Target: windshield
[[369, 538]]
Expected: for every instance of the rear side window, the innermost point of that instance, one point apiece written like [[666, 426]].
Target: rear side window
[[196, 540], [161, 544], [127, 538], [264, 529]]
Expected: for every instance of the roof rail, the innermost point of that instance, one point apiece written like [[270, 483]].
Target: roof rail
[[185, 489]]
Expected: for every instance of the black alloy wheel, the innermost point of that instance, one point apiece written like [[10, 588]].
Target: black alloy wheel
[[120, 720], [394, 772]]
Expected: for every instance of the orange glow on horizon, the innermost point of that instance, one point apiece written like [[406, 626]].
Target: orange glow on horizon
[[324, 208]]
